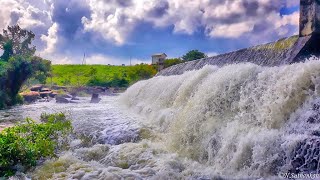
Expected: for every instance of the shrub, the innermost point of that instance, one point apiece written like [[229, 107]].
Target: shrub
[[24, 144], [171, 62]]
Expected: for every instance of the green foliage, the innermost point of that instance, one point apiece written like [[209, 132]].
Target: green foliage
[[171, 62], [16, 41], [141, 71], [7, 50], [42, 69], [24, 144], [13, 75], [17, 64], [193, 55], [100, 75], [115, 81]]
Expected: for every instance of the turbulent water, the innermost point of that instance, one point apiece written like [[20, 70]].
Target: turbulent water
[[236, 122]]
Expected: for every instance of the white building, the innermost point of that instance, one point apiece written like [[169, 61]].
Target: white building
[[159, 58]]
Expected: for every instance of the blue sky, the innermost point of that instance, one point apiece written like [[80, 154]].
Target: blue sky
[[113, 31]]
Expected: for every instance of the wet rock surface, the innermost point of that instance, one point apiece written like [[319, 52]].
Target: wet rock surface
[[95, 98]]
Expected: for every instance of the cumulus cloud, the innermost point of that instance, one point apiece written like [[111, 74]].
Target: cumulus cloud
[[51, 39], [71, 27], [115, 20], [22, 13]]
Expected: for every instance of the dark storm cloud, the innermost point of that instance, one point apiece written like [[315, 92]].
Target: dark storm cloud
[[68, 15], [251, 7]]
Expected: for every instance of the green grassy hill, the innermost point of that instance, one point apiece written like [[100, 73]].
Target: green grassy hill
[[99, 75]]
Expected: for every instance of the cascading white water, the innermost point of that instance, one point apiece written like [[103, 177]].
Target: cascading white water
[[243, 120], [238, 121]]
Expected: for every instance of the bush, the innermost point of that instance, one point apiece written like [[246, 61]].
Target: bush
[[194, 55], [171, 62], [24, 144]]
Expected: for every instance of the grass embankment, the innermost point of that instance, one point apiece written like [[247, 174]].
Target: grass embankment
[[99, 75]]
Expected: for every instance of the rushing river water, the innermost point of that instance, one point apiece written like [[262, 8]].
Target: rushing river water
[[240, 121]]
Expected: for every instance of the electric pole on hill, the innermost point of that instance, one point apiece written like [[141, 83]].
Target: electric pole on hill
[[84, 59], [130, 60]]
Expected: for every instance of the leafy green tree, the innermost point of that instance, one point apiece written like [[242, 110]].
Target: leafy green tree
[[42, 69], [193, 55], [7, 50], [171, 62], [18, 64], [16, 41]]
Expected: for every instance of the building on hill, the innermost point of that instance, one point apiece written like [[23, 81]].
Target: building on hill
[[158, 59]]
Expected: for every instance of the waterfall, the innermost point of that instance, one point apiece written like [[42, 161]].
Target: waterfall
[[240, 119]]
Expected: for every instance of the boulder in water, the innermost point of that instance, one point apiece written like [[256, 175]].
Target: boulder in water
[[30, 97], [62, 99], [95, 98], [53, 94], [36, 88], [44, 94]]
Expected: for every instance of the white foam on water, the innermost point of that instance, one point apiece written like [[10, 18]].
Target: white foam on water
[[237, 121]]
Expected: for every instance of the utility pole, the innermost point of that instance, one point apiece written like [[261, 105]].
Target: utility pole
[[84, 59], [130, 60]]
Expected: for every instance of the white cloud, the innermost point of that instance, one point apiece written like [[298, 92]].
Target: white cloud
[[62, 60], [210, 54], [105, 59], [232, 30], [115, 21], [50, 40], [22, 13]]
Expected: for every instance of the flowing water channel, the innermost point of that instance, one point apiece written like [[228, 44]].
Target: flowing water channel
[[240, 121]]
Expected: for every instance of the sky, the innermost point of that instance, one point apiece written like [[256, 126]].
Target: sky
[[115, 31]]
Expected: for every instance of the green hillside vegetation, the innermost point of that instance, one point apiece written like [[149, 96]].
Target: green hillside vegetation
[[99, 75]]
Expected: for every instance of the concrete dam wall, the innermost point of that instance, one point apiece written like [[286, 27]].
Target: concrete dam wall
[[285, 51]]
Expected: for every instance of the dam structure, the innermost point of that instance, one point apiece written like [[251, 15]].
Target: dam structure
[[284, 51]]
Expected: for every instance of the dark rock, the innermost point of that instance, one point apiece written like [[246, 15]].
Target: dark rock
[[95, 98], [36, 88], [30, 97], [45, 93], [45, 90], [53, 94], [62, 99]]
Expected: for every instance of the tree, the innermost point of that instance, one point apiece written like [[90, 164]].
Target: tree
[[16, 41], [42, 69], [194, 55], [19, 64], [171, 62]]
